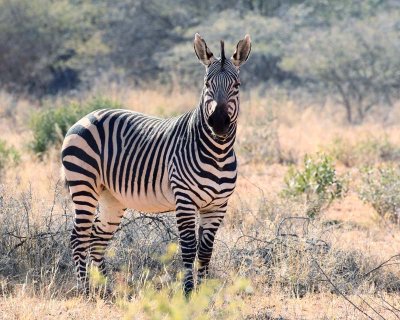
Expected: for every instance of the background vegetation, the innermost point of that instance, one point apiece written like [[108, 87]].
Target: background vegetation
[[343, 50], [313, 229]]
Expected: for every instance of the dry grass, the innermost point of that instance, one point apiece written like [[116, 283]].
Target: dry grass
[[323, 306], [39, 308], [298, 268]]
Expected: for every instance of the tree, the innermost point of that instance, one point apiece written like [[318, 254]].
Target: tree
[[355, 61], [44, 43]]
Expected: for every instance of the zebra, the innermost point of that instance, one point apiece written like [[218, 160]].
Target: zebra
[[114, 159]]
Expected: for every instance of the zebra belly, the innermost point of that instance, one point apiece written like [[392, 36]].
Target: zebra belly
[[151, 202]]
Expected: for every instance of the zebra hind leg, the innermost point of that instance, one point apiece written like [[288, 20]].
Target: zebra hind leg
[[208, 226], [107, 221], [85, 203]]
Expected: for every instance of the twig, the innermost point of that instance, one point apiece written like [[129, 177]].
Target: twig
[[383, 306], [381, 265], [35, 237], [365, 301], [341, 293], [391, 307], [153, 219], [305, 224], [16, 247], [252, 238], [53, 203]]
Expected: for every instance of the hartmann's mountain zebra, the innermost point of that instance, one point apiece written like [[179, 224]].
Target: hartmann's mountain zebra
[[120, 159]]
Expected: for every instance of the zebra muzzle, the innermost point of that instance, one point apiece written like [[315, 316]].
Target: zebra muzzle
[[219, 121]]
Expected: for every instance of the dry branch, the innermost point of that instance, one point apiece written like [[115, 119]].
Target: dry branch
[[340, 292]]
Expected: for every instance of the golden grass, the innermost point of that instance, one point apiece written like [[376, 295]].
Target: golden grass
[[24, 307], [274, 305], [321, 306]]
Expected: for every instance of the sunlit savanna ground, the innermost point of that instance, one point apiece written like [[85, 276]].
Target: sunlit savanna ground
[[282, 277]]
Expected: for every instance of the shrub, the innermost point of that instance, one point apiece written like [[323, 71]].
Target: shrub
[[367, 151], [8, 155], [50, 126], [317, 183], [212, 300], [381, 188]]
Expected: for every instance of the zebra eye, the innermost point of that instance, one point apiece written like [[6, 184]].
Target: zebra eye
[[207, 84], [236, 85]]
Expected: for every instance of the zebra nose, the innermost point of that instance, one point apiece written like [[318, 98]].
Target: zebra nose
[[227, 121], [219, 121]]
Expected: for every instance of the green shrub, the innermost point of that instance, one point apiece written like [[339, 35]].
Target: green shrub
[[50, 126], [8, 155], [381, 188], [316, 184], [213, 299], [365, 152]]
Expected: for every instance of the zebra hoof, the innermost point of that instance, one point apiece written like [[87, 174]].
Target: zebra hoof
[[188, 289]]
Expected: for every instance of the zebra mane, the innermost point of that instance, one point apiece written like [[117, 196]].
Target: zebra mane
[[222, 54]]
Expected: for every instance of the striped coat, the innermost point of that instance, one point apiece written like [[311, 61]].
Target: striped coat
[[118, 159]]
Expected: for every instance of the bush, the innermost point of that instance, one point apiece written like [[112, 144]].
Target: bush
[[381, 188], [50, 126], [365, 152], [212, 299], [317, 184], [8, 155]]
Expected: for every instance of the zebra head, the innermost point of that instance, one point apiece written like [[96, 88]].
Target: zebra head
[[221, 84]]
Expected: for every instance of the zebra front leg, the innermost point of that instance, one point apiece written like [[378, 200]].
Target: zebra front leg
[[209, 223], [186, 222]]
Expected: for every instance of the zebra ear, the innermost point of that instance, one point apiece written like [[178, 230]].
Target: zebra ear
[[204, 54], [242, 52]]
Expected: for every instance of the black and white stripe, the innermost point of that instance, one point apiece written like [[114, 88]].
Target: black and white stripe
[[118, 159]]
